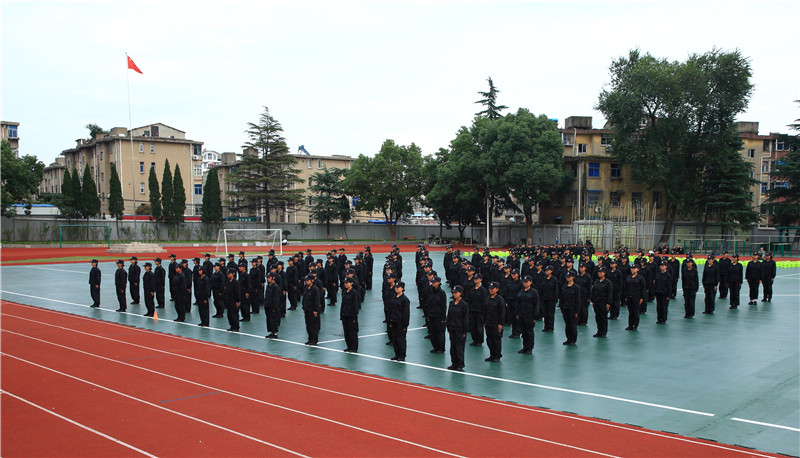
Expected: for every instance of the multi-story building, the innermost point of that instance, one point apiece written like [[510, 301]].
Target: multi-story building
[[10, 132], [53, 177], [133, 156]]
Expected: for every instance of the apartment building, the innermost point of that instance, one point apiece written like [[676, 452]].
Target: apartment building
[[10, 132]]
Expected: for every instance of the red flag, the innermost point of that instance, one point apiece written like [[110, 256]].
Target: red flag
[[133, 66]]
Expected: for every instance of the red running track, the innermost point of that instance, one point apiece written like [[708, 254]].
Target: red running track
[[77, 386]]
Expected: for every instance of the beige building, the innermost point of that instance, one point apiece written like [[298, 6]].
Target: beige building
[[53, 177], [10, 132], [133, 157], [762, 152]]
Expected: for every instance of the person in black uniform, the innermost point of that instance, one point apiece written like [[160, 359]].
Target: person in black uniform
[[571, 303], [188, 274], [387, 293], [340, 263], [149, 285], [332, 279], [675, 271], [202, 291], [95, 276], [283, 284], [134, 277], [178, 290], [311, 301], [710, 282], [635, 294], [457, 327], [602, 298], [244, 286], [232, 264], [527, 311], [208, 266], [171, 274], [161, 283], [399, 318], [242, 261], [723, 268], [548, 290], [476, 297], [273, 297], [293, 283], [735, 281], [120, 284], [662, 288], [369, 262], [494, 317], [615, 277], [753, 274], [435, 308], [584, 281], [768, 271], [217, 281], [691, 283], [196, 268], [256, 285], [351, 303], [232, 295]]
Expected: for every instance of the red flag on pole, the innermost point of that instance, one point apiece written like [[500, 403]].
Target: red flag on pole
[[133, 66]]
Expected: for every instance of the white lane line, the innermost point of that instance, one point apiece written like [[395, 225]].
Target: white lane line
[[368, 335], [441, 369], [771, 425], [61, 270], [412, 385], [69, 420], [259, 401], [325, 390], [150, 403]]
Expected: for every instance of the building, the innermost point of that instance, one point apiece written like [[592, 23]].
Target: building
[[10, 132], [133, 156], [53, 177]]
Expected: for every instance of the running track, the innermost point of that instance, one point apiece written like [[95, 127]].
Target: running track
[[77, 386]]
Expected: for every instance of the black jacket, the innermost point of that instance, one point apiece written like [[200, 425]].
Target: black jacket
[[273, 296], [602, 292], [494, 312], [571, 298], [691, 282], [203, 288], [134, 273], [635, 289], [528, 303], [120, 279], [435, 304], [149, 282], [351, 303], [458, 317], [710, 275], [311, 298], [400, 310], [753, 271], [477, 298], [735, 274], [95, 276], [662, 283]]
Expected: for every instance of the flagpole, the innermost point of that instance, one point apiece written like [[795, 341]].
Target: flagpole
[[130, 127]]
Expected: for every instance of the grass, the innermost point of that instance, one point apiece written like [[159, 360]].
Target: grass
[[65, 259]]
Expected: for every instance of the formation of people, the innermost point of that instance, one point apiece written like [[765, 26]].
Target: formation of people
[[488, 293]]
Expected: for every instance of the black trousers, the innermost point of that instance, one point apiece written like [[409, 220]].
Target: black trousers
[[476, 326], [244, 306], [219, 304], [94, 290], [202, 307], [723, 287], [312, 327], [526, 327], [122, 298], [181, 305], [273, 318], [711, 296], [753, 289], [333, 289], [583, 314], [160, 296], [643, 305], [735, 290], [150, 302], [688, 301], [662, 306], [767, 288], [292, 298], [510, 313], [233, 314], [615, 305], [134, 287], [457, 343], [549, 307], [398, 339], [494, 340], [350, 328], [633, 313], [570, 325], [436, 328], [601, 318]]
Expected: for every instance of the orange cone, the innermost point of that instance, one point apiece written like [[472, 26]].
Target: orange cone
[[155, 315]]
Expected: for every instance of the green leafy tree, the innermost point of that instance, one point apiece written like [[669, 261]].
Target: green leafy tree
[[266, 177], [178, 197], [94, 129], [76, 192], [65, 202], [155, 195], [90, 201], [212, 199], [116, 206], [19, 178], [330, 199], [489, 101], [783, 201], [666, 117], [449, 192], [166, 193], [725, 190], [388, 183]]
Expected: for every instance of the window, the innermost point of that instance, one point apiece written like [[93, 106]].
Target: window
[[567, 138], [780, 145], [594, 198], [605, 139], [102, 177], [636, 198], [594, 170], [198, 169], [310, 163], [101, 155], [141, 147], [198, 189], [616, 171], [573, 198], [583, 148], [12, 131], [763, 188], [141, 188], [657, 199], [319, 163], [197, 150], [752, 174], [355, 201], [152, 165], [141, 167], [751, 152], [765, 167], [152, 147], [198, 209], [574, 170], [614, 199], [309, 201]]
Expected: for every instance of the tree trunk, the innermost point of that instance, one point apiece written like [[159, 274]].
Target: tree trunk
[[461, 232], [441, 229], [669, 222], [529, 225], [328, 229], [392, 230]]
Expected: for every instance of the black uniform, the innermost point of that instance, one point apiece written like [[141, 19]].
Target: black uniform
[[674, 270], [477, 298], [134, 277], [161, 284], [710, 282], [293, 285], [635, 294], [527, 311], [202, 292], [584, 282], [217, 281], [273, 297], [247, 295], [149, 284], [753, 274], [768, 271], [170, 275], [662, 288], [399, 317], [310, 300], [494, 313], [735, 283], [548, 289], [332, 280], [457, 327], [120, 284], [188, 275], [257, 279], [351, 303], [724, 267], [178, 290], [94, 285], [691, 284], [602, 298], [232, 295], [616, 278], [435, 308], [571, 303]]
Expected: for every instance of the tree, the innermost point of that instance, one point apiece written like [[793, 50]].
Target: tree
[[19, 178], [389, 183], [155, 195], [489, 101], [65, 203], [667, 117], [94, 129], [166, 193], [212, 199], [178, 197], [783, 199], [76, 192], [266, 178], [116, 206], [449, 193], [725, 189], [330, 200], [90, 201]]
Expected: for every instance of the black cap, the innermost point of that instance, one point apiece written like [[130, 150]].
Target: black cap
[[94, 261], [514, 271], [196, 259], [309, 277], [348, 280], [207, 255], [769, 253], [736, 255], [477, 277], [259, 257], [494, 285], [254, 261], [216, 264], [436, 280], [272, 275], [635, 266], [147, 264], [527, 278], [539, 263], [271, 251], [602, 269], [458, 289], [231, 255], [613, 261], [120, 261], [134, 258], [400, 285], [548, 268], [570, 274], [470, 269], [241, 252], [232, 271], [570, 261], [157, 260], [308, 250], [172, 255]]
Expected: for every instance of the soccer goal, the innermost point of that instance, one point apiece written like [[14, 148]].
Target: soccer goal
[[252, 241]]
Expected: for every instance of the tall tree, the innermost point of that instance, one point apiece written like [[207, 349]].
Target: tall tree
[[449, 192], [330, 200], [166, 193], [90, 201], [19, 178], [666, 116], [116, 206], [76, 192], [266, 177], [212, 199], [725, 189], [389, 183], [489, 101], [155, 195], [783, 199], [66, 202], [178, 197]]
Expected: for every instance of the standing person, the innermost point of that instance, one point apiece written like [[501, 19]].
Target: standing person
[[675, 271], [95, 276], [247, 292], [635, 294], [435, 309], [399, 318], [188, 274], [768, 271], [527, 311], [311, 301], [494, 317], [171, 274], [134, 277], [256, 285], [735, 281], [369, 262], [602, 298], [208, 266], [691, 284], [273, 297], [548, 289], [753, 274], [120, 284], [161, 283], [387, 293], [293, 283], [477, 297], [584, 282], [571, 303], [616, 279], [662, 288], [351, 303], [232, 295], [710, 282], [217, 282], [232, 264], [284, 285], [195, 277], [149, 284], [332, 279], [724, 267], [457, 327], [202, 292], [177, 288], [340, 263]]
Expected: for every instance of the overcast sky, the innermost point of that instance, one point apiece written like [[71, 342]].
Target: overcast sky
[[343, 76]]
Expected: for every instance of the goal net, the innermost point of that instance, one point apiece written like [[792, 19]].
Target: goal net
[[254, 242]]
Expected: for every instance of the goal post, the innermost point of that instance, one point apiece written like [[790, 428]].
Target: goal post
[[84, 232], [251, 241]]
